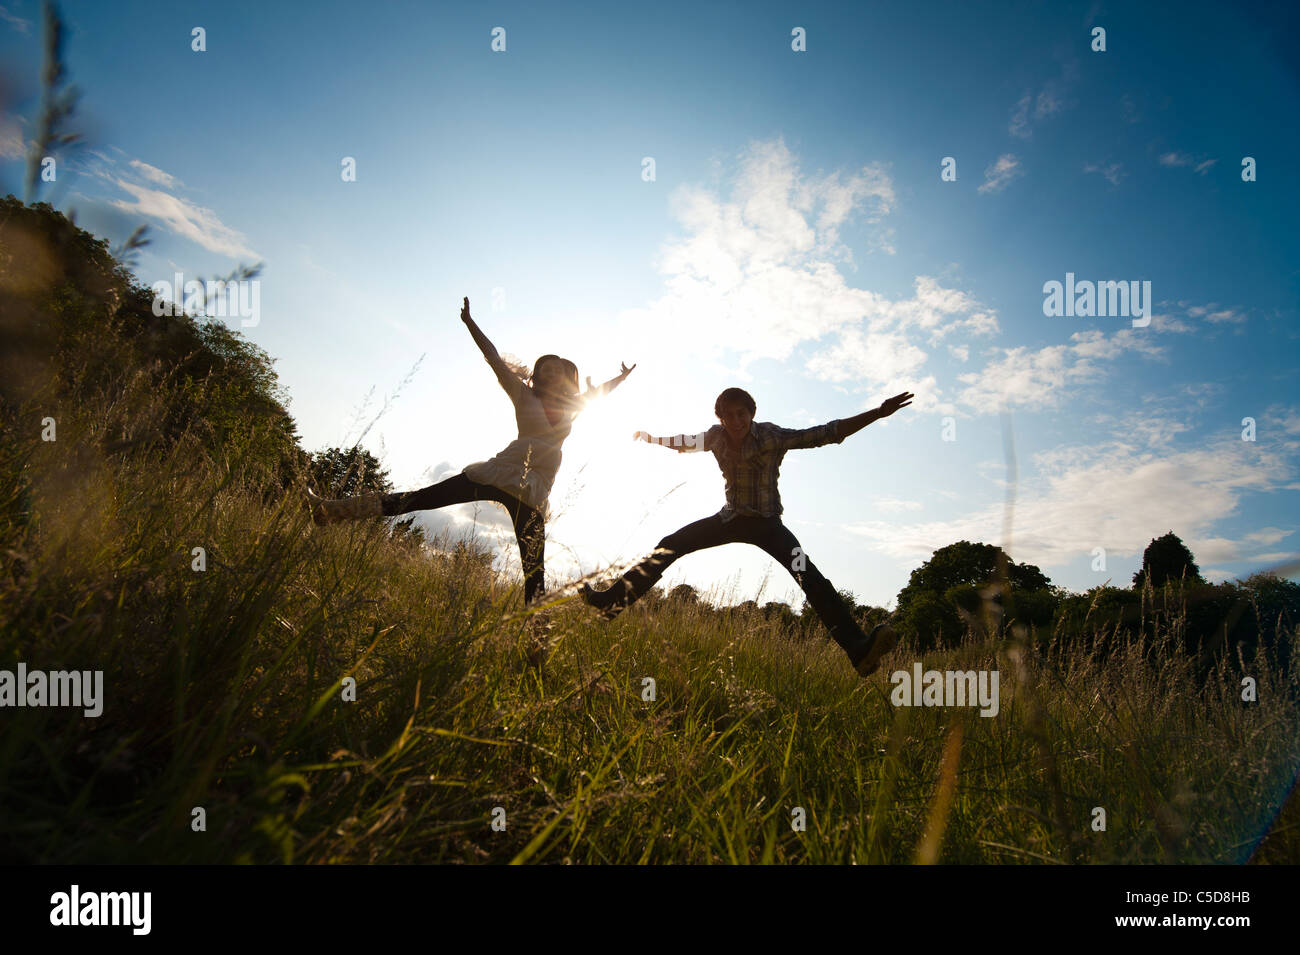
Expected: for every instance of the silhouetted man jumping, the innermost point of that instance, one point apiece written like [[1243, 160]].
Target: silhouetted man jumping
[[749, 453]]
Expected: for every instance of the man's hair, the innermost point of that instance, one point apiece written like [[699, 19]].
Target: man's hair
[[735, 396]]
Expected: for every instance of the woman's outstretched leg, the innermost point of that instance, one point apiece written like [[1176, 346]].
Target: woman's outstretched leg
[[530, 527], [454, 490]]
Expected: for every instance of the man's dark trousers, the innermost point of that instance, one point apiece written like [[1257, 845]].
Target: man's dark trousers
[[771, 535]]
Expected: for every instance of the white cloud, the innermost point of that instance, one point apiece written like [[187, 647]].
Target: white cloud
[[882, 356], [753, 274], [190, 221], [174, 212], [1154, 431], [1049, 101], [1020, 118], [1000, 173], [1112, 172], [154, 174], [1288, 418], [895, 505], [1267, 535], [1176, 159], [1165, 323], [1274, 557], [1214, 314], [1041, 379], [18, 23], [879, 351], [1119, 495]]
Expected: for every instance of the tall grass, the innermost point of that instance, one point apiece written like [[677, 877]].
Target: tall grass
[[223, 691]]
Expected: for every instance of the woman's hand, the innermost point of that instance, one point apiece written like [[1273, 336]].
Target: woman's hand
[[624, 371], [890, 405], [642, 436], [464, 312]]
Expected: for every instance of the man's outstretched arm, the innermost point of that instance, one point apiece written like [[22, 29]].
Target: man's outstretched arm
[[833, 432], [887, 407], [678, 442]]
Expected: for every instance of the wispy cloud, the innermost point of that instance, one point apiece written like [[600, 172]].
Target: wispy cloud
[[196, 223], [1128, 109], [893, 505], [1000, 173], [18, 23], [174, 212], [1117, 495], [1113, 172], [154, 174], [1050, 99], [1163, 322], [1215, 315], [1041, 379], [1031, 109], [1174, 160], [1287, 418]]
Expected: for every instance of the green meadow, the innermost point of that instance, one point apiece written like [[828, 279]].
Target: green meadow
[[225, 690]]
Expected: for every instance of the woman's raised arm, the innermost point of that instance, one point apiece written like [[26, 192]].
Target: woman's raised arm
[[508, 379], [608, 386]]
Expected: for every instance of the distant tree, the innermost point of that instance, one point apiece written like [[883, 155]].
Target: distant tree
[[960, 587], [782, 614], [344, 472], [1276, 603], [684, 593], [1094, 616], [1167, 558]]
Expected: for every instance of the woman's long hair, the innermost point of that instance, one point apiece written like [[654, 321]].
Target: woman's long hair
[[569, 368], [529, 377]]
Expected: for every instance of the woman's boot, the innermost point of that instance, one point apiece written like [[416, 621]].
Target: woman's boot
[[344, 508]]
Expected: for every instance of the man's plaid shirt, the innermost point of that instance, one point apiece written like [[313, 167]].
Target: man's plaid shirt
[[752, 474]]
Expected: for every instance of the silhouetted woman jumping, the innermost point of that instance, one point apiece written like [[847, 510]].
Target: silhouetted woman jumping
[[520, 477]]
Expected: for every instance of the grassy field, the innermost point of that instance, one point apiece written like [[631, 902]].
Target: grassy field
[[224, 690]]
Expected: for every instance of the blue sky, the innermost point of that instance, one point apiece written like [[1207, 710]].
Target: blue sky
[[796, 240]]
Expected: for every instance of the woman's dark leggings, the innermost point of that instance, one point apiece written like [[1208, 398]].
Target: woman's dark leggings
[[530, 528]]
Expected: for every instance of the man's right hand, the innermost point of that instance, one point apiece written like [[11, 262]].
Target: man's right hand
[[464, 312]]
